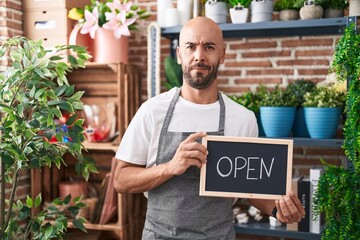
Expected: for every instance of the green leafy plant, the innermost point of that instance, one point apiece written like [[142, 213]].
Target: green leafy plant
[[173, 73], [244, 3], [298, 89], [338, 193], [34, 92], [324, 96], [278, 97], [251, 100], [335, 4], [285, 4], [300, 3]]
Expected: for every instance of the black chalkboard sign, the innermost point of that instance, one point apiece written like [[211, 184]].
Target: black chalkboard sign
[[246, 167]]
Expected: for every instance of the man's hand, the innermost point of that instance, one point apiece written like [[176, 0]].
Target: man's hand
[[289, 209], [189, 153]]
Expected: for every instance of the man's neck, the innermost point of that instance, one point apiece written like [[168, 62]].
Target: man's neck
[[200, 96]]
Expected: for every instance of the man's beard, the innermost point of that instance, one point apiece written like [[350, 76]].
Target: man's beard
[[200, 81]]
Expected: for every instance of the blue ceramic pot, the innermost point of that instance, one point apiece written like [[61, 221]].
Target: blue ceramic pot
[[322, 122], [277, 121], [299, 129]]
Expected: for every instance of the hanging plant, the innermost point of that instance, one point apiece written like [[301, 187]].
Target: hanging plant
[[338, 193]]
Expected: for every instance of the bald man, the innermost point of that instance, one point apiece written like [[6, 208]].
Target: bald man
[[160, 153]]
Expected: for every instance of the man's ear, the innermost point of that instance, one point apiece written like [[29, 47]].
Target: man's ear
[[178, 56], [222, 57]]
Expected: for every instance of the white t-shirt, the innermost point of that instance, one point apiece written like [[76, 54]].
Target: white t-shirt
[[140, 142]]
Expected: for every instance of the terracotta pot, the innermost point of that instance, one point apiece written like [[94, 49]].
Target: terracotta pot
[[75, 188], [84, 40], [108, 49]]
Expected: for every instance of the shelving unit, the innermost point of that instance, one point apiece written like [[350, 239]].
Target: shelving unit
[[328, 26], [118, 83]]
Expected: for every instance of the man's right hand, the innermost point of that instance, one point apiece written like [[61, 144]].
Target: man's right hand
[[189, 153]]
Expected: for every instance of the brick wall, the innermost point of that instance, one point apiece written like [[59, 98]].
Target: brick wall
[[11, 25], [249, 62], [253, 61]]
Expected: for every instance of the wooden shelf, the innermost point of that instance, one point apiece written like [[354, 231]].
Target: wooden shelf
[[101, 146], [103, 227], [324, 26]]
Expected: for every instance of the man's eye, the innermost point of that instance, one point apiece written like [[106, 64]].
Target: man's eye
[[209, 47], [190, 47]]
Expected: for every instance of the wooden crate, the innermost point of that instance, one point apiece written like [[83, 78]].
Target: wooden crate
[[116, 82]]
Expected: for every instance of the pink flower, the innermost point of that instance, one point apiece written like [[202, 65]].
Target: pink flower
[[119, 23], [91, 23], [116, 5]]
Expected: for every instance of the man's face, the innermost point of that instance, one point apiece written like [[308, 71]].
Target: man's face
[[200, 53]]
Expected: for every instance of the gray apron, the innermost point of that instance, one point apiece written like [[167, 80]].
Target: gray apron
[[175, 210]]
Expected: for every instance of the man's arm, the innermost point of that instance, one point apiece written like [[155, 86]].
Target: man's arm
[[289, 208], [134, 178]]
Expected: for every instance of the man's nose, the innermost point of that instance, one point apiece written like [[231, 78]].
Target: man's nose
[[199, 54]]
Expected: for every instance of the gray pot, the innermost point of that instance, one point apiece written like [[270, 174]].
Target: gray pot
[[333, 13], [289, 14], [311, 11]]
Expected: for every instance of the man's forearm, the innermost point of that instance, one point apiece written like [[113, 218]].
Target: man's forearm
[[130, 178]]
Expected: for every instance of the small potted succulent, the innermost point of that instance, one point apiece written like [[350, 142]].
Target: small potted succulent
[[322, 110], [240, 10], [310, 9], [287, 10], [334, 8], [277, 112]]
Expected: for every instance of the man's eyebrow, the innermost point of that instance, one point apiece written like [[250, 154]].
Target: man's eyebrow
[[207, 43]]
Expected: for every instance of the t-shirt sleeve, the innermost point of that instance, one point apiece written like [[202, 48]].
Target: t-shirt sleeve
[[134, 144]]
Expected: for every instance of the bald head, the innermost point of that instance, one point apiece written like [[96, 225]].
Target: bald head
[[201, 28]]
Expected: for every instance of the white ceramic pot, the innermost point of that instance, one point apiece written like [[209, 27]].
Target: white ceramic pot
[[217, 11], [261, 10], [162, 5], [239, 14], [311, 11], [354, 8], [185, 10]]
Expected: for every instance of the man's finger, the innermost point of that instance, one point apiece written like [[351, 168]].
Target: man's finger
[[193, 137], [298, 204]]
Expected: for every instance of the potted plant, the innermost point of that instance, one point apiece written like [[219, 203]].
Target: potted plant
[[338, 191], [239, 11], [33, 93], [298, 89], [251, 100], [322, 111], [109, 24], [287, 10], [277, 112], [216, 10], [261, 10], [334, 8], [310, 9]]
